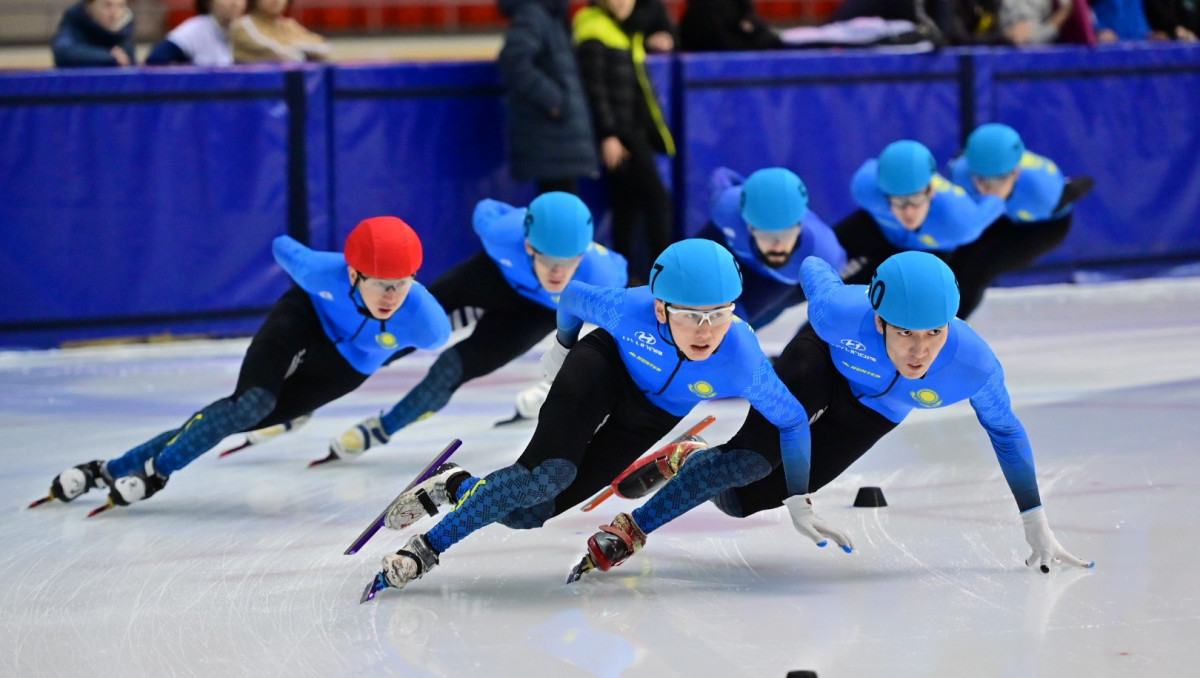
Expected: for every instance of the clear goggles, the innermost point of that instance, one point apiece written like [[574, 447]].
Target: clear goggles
[[384, 286], [556, 262], [779, 237], [993, 182], [693, 318], [913, 200]]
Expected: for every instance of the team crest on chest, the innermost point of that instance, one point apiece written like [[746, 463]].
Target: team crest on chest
[[927, 397], [702, 389], [386, 340]]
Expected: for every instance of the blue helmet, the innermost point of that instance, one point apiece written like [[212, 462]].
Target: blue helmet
[[696, 272], [774, 199], [905, 167], [914, 290], [559, 224], [994, 150]]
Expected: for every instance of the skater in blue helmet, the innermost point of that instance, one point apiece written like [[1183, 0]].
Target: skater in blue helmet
[[870, 357], [658, 351], [766, 222], [1038, 206], [904, 204]]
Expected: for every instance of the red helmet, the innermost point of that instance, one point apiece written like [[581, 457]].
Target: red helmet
[[384, 247]]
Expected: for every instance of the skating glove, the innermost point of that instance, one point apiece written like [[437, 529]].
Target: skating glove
[[1046, 549], [529, 401], [552, 359], [353, 442], [810, 525]]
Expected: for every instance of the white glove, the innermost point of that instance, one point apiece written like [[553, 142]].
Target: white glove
[[552, 359], [353, 442], [1046, 549], [529, 401], [810, 525]]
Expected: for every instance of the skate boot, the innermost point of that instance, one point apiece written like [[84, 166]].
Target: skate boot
[[409, 563], [353, 442], [262, 435], [425, 498], [77, 480], [648, 473], [136, 486], [616, 542]]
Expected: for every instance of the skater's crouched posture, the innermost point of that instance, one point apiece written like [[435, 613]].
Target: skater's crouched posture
[[659, 350], [871, 356], [346, 315]]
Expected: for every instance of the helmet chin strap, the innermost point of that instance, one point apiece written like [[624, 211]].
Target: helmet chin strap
[[361, 305], [670, 337]]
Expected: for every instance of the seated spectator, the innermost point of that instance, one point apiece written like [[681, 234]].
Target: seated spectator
[[1034, 22], [202, 40], [1174, 19], [939, 20], [264, 34], [724, 26], [95, 33]]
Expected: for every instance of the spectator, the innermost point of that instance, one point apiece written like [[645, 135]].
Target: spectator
[[265, 34], [941, 20], [549, 128], [1174, 19], [1034, 22], [630, 127], [202, 40], [95, 33], [650, 18], [724, 26]]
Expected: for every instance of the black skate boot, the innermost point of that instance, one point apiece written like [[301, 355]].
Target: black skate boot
[[648, 473], [77, 480]]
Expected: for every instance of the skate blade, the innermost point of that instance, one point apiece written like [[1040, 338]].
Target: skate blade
[[515, 419], [102, 509], [41, 501], [332, 457], [231, 450], [377, 584], [585, 565], [598, 499]]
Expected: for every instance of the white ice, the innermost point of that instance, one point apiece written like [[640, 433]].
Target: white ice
[[236, 568]]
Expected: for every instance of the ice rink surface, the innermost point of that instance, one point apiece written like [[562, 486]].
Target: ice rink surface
[[236, 568]]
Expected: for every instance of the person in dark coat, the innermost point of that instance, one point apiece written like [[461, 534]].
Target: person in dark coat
[[630, 127], [724, 26], [651, 19], [550, 136], [95, 33]]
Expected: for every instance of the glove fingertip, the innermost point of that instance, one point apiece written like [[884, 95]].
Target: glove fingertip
[[822, 544], [1045, 569], [848, 549], [1090, 565]]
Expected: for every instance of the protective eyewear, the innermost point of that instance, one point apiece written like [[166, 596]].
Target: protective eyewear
[[384, 286], [776, 237], [556, 262], [694, 318], [914, 200]]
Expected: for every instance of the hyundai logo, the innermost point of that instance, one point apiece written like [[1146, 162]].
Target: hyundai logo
[[853, 345], [646, 338]]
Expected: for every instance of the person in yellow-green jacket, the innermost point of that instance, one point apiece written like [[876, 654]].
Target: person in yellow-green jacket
[[630, 127]]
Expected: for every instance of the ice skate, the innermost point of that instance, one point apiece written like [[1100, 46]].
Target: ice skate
[[262, 435], [76, 481], [355, 441], [134, 487], [647, 474], [424, 498], [611, 546], [399, 568]]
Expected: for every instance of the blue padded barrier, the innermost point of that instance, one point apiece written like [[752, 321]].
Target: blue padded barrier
[[817, 114], [138, 202]]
